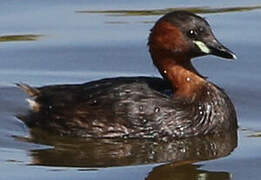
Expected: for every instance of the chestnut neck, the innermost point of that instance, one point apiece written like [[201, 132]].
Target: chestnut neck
[[185, 80]]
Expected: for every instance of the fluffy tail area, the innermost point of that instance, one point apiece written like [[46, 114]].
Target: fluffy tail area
[[33, 92]]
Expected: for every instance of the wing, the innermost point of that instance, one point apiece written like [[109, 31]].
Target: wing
[[108, 107]]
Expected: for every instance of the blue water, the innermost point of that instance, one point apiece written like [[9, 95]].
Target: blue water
[[80, 47]]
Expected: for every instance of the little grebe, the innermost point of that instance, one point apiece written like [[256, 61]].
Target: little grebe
[[140, 107]]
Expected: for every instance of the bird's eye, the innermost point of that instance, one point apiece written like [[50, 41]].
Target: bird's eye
[[192, 33]]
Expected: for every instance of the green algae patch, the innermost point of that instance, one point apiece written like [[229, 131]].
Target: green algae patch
[[24, 37], [154, 12]]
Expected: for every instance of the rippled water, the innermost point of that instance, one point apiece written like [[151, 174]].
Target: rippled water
[[55, 42]]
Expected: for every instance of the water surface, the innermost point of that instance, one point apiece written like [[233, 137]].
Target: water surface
[[56, 42]]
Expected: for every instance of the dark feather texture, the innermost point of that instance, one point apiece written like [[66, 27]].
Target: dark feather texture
[[129, 107]]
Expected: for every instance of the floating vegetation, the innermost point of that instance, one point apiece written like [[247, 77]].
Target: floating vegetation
[[201, 10], [24, 37], [256, 134]]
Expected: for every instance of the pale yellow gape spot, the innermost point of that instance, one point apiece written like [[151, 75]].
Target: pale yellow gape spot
[[202, 46]]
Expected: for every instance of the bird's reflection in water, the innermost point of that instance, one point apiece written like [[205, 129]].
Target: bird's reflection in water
[[186, 172], [80, 152]]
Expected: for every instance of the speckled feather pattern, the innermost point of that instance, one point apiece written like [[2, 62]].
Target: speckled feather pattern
[[130, 107]]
